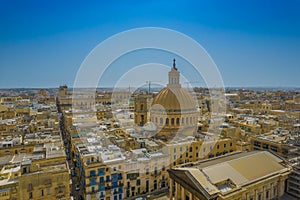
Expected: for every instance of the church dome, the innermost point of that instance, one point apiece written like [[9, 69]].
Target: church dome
[[175, 99]]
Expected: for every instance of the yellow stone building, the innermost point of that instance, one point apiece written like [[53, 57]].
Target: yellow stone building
[[252, 175], [43, 173], [274, 141], [192, 150]]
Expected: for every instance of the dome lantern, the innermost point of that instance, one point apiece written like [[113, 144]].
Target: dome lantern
[[174, 76]]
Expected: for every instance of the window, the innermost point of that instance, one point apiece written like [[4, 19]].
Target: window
[[167, 121], [285, 151], [231, 144], [257, 144], [274, 148], [265, 146], [161, 120], [191, 149], [147, 185], [119, 176], [259, 196], [101, 188], [138, 182], [218, 146], [177, 121], [30, 195], [92, 173], [224, 145], [101, 179], [147, 171], [100, 172], [48, 191], [93, 181], [107, 178], [174, 150], [114, 177], [172, 121], [42, 193], [30, 186], [180, 148]]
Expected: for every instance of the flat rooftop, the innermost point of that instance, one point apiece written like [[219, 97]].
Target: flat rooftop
[[239, 169]]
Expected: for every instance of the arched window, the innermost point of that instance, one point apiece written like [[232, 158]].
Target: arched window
[[172, 121], [161, 120], [177, 121], [187, 120], [167, 121], [182, 121], [142, 106]]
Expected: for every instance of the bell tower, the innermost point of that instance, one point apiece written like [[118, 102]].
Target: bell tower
[[141, 109]]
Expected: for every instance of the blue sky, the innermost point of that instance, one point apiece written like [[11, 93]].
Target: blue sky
[[253, 43]]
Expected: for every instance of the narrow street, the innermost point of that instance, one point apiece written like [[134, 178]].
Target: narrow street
[[74, 178]]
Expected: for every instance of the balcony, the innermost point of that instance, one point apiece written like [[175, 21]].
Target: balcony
[[60, 193], [156, 173]]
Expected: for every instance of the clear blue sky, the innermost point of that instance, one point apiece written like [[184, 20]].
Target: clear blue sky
[[254, 43]]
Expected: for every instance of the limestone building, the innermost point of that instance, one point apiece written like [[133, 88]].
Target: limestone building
[[252, 175]]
